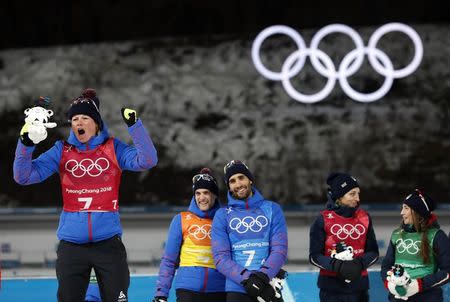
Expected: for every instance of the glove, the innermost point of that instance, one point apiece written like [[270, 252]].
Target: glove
[[277, 283], [342, 252], [257, 286], [129, 116], [413, 287], [159, 299], [347, 270], [24, 138]]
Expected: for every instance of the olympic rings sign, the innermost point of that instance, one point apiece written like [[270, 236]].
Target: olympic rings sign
[[407, 245], [87, 165], [349, 65], [248, 223], [200, 232], [348, 230]]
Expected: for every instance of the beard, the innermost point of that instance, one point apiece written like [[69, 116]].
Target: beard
[[245, 195]]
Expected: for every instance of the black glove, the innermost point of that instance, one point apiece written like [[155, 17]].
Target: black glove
[[348, 270], [129, 116], [257, 286], [159, 299], [24, 138]]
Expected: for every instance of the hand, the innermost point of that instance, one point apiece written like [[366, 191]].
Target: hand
[[129, 116], [413, 287], [257, 286], [24, 138], [348, 270], [159, 299]]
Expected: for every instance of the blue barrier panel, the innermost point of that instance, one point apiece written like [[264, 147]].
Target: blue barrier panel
[[301, 287]]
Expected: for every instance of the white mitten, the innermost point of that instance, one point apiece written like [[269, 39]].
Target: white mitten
[[412, 288]]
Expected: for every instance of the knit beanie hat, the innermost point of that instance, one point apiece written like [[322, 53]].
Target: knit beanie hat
[[205, 180], [235, 167], [88, 104], [420, 203], [340, 183]]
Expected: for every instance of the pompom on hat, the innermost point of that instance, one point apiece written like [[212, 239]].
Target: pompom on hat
[[88, 104], [205, 180]]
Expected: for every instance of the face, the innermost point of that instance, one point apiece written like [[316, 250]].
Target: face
[[407, 214], [240, 186], [84, 127], [350, 199], [205, 199]]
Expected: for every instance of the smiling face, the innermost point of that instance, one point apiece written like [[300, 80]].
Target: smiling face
[[240, 186], [84, 127], [407, 214], [205, 199], [350, 199]]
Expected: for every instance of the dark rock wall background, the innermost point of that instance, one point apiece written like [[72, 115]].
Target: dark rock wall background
[[204, 104]]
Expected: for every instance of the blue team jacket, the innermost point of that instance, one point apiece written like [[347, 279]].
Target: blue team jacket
[[84, 227], [241, 220]]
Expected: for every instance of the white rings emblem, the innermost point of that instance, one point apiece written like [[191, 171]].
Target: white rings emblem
[[248, 223], [348, 230], [349, 65], [200, 232], [87, 165], [408, 245]]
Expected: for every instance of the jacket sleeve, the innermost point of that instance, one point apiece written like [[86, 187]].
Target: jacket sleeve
[[29, 171], [222, 250], [170, 258], [371, 252], [388, 261], [441, 247], [278, 243], [317, 237], [141, 155]]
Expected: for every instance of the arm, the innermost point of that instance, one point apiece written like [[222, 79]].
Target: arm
[[222, 251], [142, 156], [441, 248], [278, 243], [317, 237], [170, 258], [29, 171], [371, 252], [388, 262]]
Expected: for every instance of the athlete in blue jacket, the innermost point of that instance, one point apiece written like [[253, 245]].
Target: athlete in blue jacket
[[89, 163], [188, 249], [249, 238]]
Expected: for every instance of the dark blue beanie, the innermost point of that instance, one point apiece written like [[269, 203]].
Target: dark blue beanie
[[88, 104], [340, 183], [205, 180], [420, 203], [235, 167]]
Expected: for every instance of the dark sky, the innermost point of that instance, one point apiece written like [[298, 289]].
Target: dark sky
[[55, 22]]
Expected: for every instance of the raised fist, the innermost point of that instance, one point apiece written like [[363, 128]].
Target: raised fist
[[129, 116]]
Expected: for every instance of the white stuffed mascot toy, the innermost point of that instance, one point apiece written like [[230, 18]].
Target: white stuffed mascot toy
[[36, 121]]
